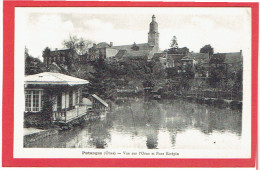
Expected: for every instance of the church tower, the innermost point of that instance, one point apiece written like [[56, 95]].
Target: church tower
[[153, 35]]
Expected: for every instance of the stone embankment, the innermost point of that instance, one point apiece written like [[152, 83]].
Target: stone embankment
[[37, 135]]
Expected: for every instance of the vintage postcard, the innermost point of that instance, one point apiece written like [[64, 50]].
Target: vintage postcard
[[151, 83]]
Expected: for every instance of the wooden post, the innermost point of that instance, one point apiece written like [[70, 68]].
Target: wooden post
[[65, 107], [78, 110]]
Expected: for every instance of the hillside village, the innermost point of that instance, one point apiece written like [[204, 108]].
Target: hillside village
[[112, 68]]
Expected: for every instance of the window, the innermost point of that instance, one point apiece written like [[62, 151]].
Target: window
[[36, 101], [27, 101], [33, 102]]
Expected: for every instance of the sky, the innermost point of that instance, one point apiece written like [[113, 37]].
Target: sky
[[226, 29]]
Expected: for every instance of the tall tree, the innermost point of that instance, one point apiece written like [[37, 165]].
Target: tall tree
[[79, 45], [32, 65], [46, 53], [174, 43], [207, 49], [174, 47], [26, 53]]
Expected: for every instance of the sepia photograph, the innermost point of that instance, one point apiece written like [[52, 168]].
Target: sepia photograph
[[150, 81], [133, 82]]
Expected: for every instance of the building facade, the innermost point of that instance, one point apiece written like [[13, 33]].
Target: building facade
[[133, 51], [61, 93]]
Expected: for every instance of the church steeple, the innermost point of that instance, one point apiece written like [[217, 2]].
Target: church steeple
[[153, 18], [153, 35]]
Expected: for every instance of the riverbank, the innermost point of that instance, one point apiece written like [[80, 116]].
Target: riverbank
[[216, 102], [234, 104], [33, 134]]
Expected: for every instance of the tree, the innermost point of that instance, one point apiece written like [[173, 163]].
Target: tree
[[98, 83], [83, 46], [216, 75], [207, 49], [183, 50], [79, 45], [174, 48], [32, 65], [135, 47], [174, 43], [46, 54], [47, 108], [26, 53]]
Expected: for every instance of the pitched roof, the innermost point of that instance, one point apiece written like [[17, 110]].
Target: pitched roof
[[142, 50], [62, 51], [143, 46], [235, 57], [55, 67], [49, 78], [200, 57], [100, 100], [102, 45], [230, 58], [175, 56], [120, 53], [139, 53], [162, 54]]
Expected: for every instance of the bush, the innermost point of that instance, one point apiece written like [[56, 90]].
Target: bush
[[37, 120]]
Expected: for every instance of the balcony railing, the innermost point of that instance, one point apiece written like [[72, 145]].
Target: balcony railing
[[65, 116]]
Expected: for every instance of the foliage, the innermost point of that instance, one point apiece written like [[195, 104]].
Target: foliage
[[98, 79], [135, 47], [32, 65], [174, 43], [26, 52], [187, 71], [183, 50], [46, 52], [47, 108], [174, 48], [158, 71], [79, 45], [207, 49], [217, 59], [217, 73]]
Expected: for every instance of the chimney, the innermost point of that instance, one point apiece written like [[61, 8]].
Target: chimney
[[111, 44]]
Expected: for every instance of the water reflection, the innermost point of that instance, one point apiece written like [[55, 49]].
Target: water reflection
[[151, 124]]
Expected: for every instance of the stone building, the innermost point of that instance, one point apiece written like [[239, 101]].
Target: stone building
[[102, 50], [133, 51], [61, 57], [233, 61]]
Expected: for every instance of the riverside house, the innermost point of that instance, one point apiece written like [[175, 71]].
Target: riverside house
[[54, 94]]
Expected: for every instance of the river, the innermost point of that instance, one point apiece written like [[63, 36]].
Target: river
[[139, 124]]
